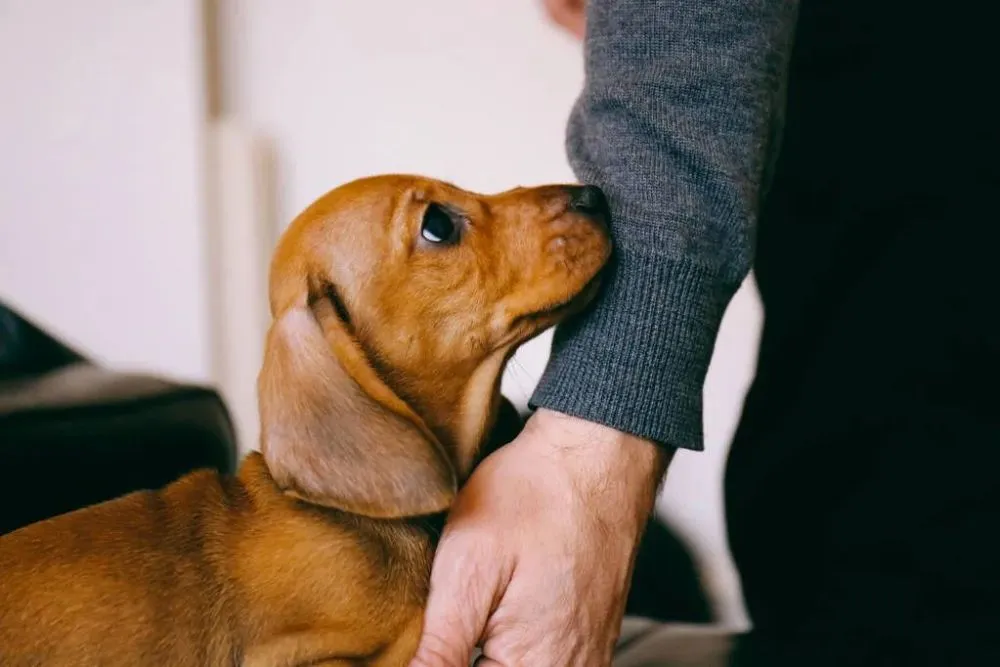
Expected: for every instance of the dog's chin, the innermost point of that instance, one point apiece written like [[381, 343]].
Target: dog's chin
[[574, 303], [536, 321]]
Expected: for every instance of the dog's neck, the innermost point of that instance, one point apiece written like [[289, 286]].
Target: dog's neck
[[459, 406]]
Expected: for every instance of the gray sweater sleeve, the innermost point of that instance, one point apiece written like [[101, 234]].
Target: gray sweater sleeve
[[677, 122]]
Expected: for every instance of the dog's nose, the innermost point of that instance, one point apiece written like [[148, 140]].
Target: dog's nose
[[589, 200]]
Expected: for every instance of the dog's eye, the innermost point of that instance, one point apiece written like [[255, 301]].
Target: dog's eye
[[438, 226]]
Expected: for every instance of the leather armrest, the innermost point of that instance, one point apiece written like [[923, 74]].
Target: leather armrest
[[79, 434]]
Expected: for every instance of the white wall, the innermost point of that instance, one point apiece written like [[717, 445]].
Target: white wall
[[101, 220], [474, 92]]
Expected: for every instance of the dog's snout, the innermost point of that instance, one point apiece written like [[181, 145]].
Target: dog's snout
[[589, 200]]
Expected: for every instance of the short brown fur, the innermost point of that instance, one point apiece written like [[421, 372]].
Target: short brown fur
[[378, 391]]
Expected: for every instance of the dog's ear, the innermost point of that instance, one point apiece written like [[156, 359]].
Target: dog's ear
[[334, 434]]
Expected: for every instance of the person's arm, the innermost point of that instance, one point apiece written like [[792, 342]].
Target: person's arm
[[676, 122]]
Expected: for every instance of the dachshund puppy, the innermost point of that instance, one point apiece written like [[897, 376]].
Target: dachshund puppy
[[396, 302]]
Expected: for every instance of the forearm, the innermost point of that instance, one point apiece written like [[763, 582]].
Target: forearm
[[676, 122]]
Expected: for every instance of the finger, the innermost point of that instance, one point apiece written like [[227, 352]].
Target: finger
[[568, 14], [464, 583]]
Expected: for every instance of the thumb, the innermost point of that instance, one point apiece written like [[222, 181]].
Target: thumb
[[464, 583]]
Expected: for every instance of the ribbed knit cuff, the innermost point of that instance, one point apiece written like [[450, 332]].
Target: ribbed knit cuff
[[636, 360]]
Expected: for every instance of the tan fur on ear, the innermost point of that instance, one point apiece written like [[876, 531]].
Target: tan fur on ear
[[334, 434]]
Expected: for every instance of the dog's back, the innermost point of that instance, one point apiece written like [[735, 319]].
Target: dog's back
[[200, 572], [142, 563]]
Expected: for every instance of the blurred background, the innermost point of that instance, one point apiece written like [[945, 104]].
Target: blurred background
[[152, 151]]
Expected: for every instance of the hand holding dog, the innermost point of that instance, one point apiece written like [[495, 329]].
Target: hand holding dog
[[538, 551]]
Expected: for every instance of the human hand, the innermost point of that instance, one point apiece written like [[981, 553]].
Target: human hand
[[537, 555], [569, 14]]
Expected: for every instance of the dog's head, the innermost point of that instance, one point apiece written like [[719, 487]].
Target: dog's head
[[396, 301]]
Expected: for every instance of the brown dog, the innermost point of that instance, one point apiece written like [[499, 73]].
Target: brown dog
[[396, 302]]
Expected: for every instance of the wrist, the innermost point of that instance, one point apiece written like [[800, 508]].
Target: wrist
[[601, 458]]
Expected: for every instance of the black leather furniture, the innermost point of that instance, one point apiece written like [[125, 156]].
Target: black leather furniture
[[73, 433]]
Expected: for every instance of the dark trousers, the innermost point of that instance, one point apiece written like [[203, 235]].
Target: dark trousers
[[863, 486]]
